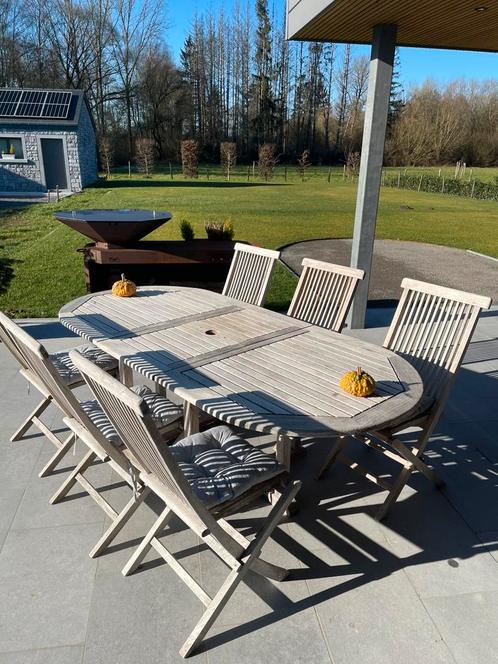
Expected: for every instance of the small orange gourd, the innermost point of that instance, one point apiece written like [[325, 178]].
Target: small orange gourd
[[358, 383], [124, 287]]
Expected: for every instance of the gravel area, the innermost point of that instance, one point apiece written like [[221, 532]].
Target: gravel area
[[394, 260]]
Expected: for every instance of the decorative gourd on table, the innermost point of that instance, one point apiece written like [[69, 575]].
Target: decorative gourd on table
[[358, 383], [124, 287]]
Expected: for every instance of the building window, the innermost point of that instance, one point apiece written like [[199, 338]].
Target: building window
[[11, 147]]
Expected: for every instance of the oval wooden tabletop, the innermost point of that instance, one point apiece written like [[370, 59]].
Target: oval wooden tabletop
[[246, 365]]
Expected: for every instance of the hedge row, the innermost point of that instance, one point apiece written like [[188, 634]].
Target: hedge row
[[440, 185]]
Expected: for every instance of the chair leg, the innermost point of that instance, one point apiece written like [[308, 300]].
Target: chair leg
[[145, 545], [58, 456], [237, 575], [392, 496], [414, 458], [87, 461], [332, 456], [260, 566], [28, 422], [119, 522], [213, 610]]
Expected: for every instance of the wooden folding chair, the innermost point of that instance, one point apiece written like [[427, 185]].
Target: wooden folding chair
[[14, 338], [250, 273], [88, 422], [432, 328], [324, 294], [201, 479]]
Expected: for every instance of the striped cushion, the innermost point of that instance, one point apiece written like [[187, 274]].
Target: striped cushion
[[163, 411], [70, 374], [220, 466]]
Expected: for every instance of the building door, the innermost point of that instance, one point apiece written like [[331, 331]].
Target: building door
[[54, 163]]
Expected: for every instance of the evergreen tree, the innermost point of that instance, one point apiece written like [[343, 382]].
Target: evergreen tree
[[396, 99], [263, 93]]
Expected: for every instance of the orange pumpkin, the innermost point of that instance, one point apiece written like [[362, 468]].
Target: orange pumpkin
[[358, 383], [124, 287]]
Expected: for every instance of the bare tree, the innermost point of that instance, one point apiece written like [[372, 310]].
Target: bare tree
[[106, 154], [145, 156], [304, 163], [161, 99], [228, 154], [267, 160], [138, 24]]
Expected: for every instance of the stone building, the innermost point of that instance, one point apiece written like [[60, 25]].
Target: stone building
[[47, 141]]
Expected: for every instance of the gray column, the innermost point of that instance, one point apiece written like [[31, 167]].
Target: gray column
[[372, 153]]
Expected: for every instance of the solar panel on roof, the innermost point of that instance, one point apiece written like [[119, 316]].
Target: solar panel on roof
[[44, 104], [8, 101]]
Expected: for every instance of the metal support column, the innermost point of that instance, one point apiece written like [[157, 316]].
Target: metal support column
[[372, 154]]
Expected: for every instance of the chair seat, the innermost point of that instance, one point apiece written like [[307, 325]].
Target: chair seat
[[163, 411], [220, 466], [70, 374]]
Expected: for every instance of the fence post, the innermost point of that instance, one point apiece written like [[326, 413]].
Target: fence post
[[57, 194], [473, 187], [439, 174], [399, 179], [442, 188], [129, 170], [330, 174], [248, 173], [285, 173], [170, 170], [253, 169], [420, 183]]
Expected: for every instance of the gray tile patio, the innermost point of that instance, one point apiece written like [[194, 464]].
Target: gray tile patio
[[423, 587]]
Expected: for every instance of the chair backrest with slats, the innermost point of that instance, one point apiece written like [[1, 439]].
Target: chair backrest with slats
[[38, 368], [130, 416], [9, 340], [432, 328], [324, 294], [250, 273]]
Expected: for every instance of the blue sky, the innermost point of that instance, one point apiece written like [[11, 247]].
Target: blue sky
[[417, 64]]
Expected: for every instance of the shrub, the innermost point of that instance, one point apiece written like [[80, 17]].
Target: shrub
[[187, 230], [434, 184], [190, 158], [267, 160], [353, 160]]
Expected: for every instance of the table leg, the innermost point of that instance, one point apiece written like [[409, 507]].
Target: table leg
[[126, 374], [191, 419], [283, 452], [283, 449]]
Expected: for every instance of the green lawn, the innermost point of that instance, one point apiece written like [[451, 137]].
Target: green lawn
[[40, 268]]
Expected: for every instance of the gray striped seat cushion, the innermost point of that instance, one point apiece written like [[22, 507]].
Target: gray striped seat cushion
[[70, 374], [220, 466], [163, 411]]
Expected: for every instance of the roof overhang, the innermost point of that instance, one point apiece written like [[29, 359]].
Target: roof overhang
[[453, 24]]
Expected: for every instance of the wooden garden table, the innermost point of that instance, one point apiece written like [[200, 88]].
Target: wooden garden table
[[245, 365]]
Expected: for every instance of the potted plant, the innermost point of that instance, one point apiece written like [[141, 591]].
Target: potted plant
[[219, 230], [10, 154]]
